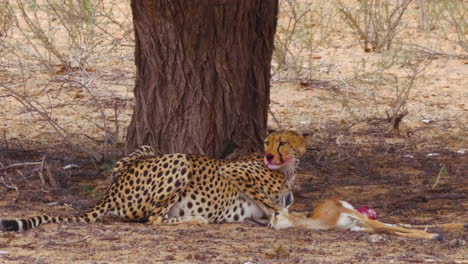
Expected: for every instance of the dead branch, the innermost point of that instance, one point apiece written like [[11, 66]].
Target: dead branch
[[430, 52], [438, 176], [57, 128], [22, 175], [10, 186], [274, 118], [10, 237], [52, 180], [41, 171], [87, 80], [116, 131], [395, 120], [20, 165]]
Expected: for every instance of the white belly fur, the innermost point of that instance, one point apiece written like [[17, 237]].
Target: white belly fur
[[346, 221], [347, 205], [250, 209]]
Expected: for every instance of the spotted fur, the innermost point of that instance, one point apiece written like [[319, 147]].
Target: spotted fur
[[177, 188]]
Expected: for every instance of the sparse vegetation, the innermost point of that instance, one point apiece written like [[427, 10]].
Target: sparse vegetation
[[395, 62], [447, 19], [66, 81], [5, 19], [75, 41], [304, 26], [375, 23], [396, 72], [71, 33], [71, 40]]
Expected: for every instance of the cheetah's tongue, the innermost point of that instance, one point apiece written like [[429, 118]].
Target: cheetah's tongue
[[272, 165]]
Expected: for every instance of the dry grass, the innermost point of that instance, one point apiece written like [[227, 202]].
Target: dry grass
[[67, 75], [375, 23], [6, 18], [67, 45], [376, 85], [74, 61], [447, 19]]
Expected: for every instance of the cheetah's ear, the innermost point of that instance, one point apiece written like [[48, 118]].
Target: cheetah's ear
[[288, 199], [307, 136]]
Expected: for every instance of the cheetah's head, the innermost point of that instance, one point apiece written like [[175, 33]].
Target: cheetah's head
[[283, 149]]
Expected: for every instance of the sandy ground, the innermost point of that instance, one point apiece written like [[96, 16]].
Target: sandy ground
[[114, 241], [398, 189], [233, 243], [418, 175]]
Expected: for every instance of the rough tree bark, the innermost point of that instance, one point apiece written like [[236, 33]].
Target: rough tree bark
[[203, 75]]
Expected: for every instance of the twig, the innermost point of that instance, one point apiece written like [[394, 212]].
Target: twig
[[395, 119], [10, 238], [438, 177], [53, 182], [41, 171], [430, 52], [274, 118], [116, 131], [57, 128], [86, 82], [20, 165], [22, 175], [11, 186]]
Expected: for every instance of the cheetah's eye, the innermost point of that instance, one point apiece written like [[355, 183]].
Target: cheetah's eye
[[266, 142], [282, 143]]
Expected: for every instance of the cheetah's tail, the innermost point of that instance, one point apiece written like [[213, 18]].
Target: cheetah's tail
[[24, 224], [142, 151]]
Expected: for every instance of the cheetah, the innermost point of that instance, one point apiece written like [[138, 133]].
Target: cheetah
[[186, 188]]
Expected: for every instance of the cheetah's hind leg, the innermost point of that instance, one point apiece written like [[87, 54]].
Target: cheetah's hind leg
[[170, 186], [161, 216]]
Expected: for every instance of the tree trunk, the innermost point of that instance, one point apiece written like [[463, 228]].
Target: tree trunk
[[203, 75]]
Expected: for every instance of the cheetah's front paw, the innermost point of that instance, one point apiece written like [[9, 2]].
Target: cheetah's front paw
[[198, 220]]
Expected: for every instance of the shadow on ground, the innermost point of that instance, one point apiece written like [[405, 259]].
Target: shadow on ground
[[401, 188]]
